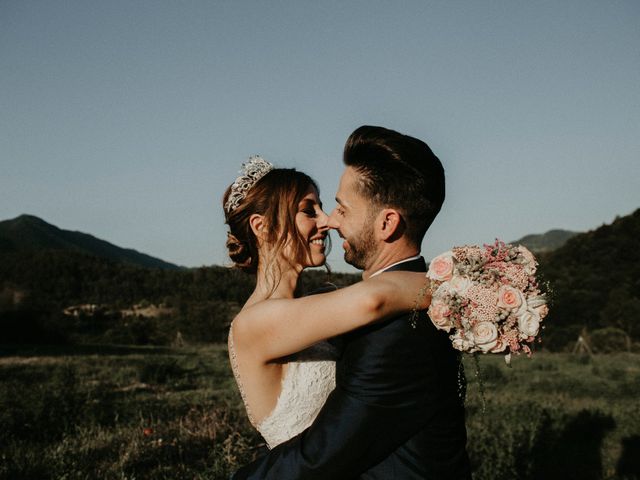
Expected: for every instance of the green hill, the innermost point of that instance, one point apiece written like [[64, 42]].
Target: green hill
[[546, 242], [30, 233]]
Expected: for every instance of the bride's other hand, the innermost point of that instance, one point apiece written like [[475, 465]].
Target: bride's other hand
[[274, 328]]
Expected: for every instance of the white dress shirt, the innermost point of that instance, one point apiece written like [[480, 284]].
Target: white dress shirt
[[394, 264]]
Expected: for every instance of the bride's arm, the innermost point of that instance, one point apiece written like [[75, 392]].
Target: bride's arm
[[274, 328]]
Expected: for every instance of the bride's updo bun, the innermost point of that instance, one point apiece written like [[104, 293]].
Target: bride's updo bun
[[275, 196], [238, 252]]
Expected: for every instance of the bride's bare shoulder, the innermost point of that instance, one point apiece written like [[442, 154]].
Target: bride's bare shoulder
[[251, 320]]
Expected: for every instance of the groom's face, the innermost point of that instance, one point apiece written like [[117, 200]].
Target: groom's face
[[354, 221]]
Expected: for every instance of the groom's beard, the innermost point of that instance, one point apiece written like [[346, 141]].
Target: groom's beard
[[361, 248]]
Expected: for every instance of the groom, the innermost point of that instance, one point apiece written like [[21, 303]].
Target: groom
[[396, 412]]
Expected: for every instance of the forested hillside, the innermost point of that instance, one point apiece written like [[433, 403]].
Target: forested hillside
[[595, 282], [53, 296]]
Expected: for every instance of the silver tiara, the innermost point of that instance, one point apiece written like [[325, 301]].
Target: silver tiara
[[252, 171]]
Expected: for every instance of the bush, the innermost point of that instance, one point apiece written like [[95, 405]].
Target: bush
[[530, 442], [610, 340]]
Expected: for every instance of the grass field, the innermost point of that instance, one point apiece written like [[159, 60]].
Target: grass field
[[118, 412]]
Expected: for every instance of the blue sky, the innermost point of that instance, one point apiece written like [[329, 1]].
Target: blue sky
[[127, 120]]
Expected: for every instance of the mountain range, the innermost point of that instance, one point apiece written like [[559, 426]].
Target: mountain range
[[30, 233], [546, 242]]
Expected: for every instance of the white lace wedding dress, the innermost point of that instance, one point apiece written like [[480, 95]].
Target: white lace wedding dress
[[308, 381]]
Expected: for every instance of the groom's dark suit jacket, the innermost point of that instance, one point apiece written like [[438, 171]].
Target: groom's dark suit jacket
[[395, 412]]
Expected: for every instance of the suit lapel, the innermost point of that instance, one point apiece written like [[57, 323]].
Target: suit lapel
[[417, 265]]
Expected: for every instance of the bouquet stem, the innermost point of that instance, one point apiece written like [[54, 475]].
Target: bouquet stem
[[483, 399]]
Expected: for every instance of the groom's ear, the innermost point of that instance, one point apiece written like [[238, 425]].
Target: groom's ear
[[390, 222]]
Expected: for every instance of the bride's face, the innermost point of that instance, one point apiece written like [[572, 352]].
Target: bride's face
[[311, 223]]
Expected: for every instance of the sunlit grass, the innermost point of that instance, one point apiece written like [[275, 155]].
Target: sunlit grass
[[139, 412], [163, 413]]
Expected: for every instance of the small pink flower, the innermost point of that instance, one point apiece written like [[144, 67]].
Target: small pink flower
[[501, 346]]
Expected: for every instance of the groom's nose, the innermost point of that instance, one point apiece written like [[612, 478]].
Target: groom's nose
[[333, 220]]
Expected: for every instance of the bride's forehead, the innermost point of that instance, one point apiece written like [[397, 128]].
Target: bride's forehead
[[312, 195]]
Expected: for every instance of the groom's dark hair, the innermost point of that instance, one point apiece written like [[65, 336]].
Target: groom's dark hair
[[400, 172]]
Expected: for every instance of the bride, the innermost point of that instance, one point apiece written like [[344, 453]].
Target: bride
[[283, 366]]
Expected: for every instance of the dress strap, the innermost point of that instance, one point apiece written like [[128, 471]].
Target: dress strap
[[236, 374]]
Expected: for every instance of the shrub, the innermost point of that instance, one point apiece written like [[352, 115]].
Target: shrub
[[610, 340]]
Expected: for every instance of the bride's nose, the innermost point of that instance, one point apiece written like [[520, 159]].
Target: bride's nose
[[322, 222]]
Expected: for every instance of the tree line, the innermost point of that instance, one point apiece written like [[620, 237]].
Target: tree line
[[198, 304], [593, 282]]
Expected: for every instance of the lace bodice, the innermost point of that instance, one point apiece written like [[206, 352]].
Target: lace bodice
[[308, 381]]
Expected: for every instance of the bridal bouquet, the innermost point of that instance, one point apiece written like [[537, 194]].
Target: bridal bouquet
[[487, 298]]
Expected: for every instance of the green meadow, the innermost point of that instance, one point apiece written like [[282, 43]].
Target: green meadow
[[133, 412]]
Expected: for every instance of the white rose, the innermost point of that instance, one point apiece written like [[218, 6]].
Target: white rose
[[459, 285], [538, 304], [529, 323], [441, 292], [535, 302], [461, 342], [528, 260], [485, 335]]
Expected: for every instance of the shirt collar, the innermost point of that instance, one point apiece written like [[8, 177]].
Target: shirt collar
[[393, 265]]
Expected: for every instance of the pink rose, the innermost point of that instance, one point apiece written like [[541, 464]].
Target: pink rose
[[441, 267], [510, 298], [439, 314]]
